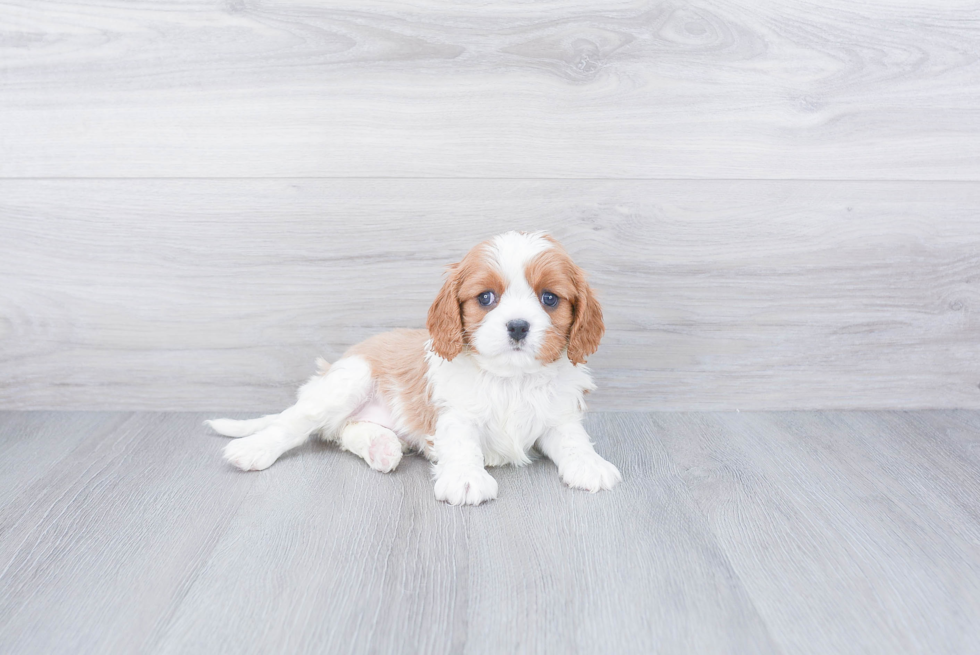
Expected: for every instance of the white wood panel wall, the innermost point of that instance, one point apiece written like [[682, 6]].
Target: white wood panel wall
[[778, 202]]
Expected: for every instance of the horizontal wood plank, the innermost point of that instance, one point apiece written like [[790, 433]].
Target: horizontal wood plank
[[218, 294], [707, 89]]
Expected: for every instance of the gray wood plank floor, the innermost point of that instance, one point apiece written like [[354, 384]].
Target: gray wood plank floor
[[805, 532]]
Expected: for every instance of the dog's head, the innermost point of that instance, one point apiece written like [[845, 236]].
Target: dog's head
[[519, 301]]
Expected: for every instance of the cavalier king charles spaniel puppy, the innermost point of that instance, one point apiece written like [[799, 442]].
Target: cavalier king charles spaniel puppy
[[498, 374]]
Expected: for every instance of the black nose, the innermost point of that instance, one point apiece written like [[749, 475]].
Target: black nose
[[517, 329]]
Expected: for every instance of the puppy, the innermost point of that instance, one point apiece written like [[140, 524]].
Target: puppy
[[499, 371]]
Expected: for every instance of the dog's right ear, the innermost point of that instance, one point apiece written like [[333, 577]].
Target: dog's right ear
[[445, 321]]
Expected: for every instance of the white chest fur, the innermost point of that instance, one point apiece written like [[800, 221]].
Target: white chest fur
[[510, 411]]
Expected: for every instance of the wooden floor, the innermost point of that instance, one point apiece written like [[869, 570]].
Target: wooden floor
[[810, 532]]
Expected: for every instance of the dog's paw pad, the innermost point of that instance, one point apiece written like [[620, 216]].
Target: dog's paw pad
[[590, 472], [467, 487], [384, 452], [250, 454]]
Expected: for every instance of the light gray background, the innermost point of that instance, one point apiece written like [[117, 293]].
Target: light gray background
[[777, 201]]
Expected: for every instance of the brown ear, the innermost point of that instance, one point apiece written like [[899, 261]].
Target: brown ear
[[445, 322], [587, 325]]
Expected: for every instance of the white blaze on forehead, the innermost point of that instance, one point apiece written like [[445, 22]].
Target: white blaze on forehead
[[510, 255], [513, 251]]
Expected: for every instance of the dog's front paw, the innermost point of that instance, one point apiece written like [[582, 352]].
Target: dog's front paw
[[251, 454], [465, 486], [590, 472]]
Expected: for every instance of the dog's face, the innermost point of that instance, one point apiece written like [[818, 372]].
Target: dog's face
[[518, 301]]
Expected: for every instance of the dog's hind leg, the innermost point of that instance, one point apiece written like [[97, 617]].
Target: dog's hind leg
[[375, 444], [324, 404]]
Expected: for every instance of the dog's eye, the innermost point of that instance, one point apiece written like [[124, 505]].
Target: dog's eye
[[549, 299], [487, 298]]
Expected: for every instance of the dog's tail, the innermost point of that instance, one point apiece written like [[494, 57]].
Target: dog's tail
[[323, 405], [232, 428]]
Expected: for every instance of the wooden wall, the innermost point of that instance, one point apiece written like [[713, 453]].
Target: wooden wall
[[779, 202]]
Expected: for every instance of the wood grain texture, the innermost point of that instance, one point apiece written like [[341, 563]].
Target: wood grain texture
[[864, 522], [218, 295], [419, 576], [34, 442], [805, 532], [641, 562], [707, 89], [98, 551]]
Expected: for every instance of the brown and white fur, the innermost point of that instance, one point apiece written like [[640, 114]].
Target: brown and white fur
[[499, 371]]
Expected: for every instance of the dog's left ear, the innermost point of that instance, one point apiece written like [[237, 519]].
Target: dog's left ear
[[445, 322], [587, 326]]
